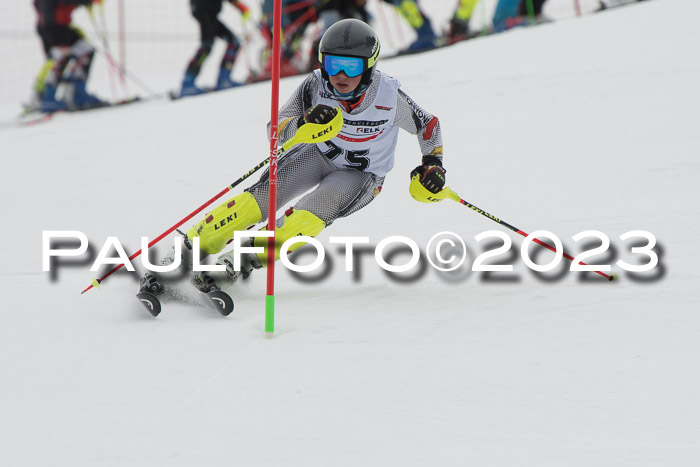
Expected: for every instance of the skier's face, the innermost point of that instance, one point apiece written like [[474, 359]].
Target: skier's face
[[343, 83]]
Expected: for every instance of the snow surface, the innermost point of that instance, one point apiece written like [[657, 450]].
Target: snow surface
[[588, 123]]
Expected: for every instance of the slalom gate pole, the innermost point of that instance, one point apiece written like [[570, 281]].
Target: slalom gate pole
[[122, 35], [385, 24], [117, 66], [577, 7], [127, 74], [110, 64], [272, 190], [455, 197], [97, 282], [397, 24]]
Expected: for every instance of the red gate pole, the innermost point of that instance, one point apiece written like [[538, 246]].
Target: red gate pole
[[272, 191]]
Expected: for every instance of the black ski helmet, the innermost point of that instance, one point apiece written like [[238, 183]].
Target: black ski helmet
[[350, 38]]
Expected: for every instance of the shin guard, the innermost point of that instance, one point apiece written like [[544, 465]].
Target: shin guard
[[218, 226], [296, 223]]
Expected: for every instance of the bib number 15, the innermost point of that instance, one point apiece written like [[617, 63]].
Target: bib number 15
[[355, 159]]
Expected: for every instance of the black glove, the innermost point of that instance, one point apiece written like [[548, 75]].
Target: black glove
[[320, 114], [432, 174]]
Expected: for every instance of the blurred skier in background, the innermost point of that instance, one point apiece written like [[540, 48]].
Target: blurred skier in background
[[415, 17], [298, 16], [536, 6], [458, 29], [335, 178], [206, 13], [513, 13], [68, 57]]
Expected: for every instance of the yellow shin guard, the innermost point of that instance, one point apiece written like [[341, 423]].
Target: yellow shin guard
[[40, 81], [295, 223], [465, 9], [411, 13], [217, 228]]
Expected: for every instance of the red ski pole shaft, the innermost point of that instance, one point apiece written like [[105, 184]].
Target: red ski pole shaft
[[189, 216], [455, 197]]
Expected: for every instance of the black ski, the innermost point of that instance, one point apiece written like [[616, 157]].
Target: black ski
[[32, 116], [212, 294], [149, 287], [219, 301], [149, 301], [174, 95]]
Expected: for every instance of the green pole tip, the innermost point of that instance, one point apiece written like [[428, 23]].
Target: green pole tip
[[269, 315]]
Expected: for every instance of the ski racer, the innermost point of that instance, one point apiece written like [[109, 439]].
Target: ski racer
[[347, 171], [206, 13], [419, 22], [63, 44]]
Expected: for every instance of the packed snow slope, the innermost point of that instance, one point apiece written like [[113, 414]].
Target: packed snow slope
[[585, 124]]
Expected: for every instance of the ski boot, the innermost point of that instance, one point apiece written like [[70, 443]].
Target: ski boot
[[149, 283], [205, 282], [188, 87], [426, 38], [82, 99], [458, 30], [224, 81], [249, 262], [48, 102]]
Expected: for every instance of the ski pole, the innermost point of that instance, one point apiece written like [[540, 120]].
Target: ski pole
[[455, 197], [97, 282], [307, 133]]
